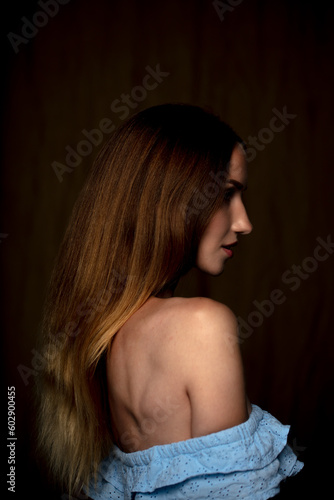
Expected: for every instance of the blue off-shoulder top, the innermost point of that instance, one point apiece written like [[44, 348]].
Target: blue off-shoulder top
[[246, 461]]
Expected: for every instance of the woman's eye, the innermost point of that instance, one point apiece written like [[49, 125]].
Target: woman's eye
[[228, 194]]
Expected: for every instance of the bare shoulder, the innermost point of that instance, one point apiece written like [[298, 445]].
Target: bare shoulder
[[200, 305], [205, 325], [187, 327], [207, 359], [216, 313], [203, 318]]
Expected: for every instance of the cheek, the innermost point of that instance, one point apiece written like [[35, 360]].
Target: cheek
[[215, 232], [220, 223]]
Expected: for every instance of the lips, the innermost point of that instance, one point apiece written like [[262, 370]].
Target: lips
[[228, 248], [230, 245]]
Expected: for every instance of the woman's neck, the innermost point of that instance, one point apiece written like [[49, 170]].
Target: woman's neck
[[166, 294]]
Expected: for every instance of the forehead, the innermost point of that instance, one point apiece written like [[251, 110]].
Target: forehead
[[238, 165]]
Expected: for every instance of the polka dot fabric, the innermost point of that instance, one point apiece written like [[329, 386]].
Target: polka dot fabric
[[246, 461]]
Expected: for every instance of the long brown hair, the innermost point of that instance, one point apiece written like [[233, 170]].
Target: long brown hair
[[133, 233]]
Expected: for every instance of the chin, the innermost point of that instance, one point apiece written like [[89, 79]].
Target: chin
[[218, 273], [212, 271]]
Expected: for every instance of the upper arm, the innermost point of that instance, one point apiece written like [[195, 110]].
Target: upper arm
[[212, 369]]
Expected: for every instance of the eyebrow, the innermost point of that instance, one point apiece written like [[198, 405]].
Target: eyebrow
[[237, 184]]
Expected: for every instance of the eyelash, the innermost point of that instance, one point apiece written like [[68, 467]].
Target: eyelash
[[228, 195]]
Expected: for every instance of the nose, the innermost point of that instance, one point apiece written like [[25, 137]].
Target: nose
[[241, 223]]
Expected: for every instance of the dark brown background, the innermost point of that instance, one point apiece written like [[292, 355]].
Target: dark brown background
[[262, 55]]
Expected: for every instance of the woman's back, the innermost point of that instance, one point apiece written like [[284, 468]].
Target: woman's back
[[179, 415], [164, 369]]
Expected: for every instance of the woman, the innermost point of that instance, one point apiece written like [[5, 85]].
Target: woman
[[143, 393]]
